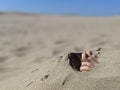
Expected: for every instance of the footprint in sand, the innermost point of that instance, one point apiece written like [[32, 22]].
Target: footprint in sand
[[35, 70], [117, 46], [60, 46], [2, 34], [77, 48], [56, 51], [21, 51], [6, 43], [44, 77], [99, 41], [40, 59], [2, 69], [65, 80], [59, 42], [103, 36], [3, 58]]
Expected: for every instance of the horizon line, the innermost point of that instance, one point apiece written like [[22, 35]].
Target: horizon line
[[61, 14]]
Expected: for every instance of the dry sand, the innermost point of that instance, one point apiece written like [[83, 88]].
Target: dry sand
[[30, 46]]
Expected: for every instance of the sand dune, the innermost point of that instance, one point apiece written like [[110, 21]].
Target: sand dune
[[31, 46]]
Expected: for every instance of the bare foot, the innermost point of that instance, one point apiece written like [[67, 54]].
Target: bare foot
[[89, 60]]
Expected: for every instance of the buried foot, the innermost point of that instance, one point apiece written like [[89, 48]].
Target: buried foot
[[83, 62]]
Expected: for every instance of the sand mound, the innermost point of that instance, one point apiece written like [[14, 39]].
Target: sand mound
[[31, 46]]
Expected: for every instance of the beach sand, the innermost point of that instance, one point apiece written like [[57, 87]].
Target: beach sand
[[33, 52]]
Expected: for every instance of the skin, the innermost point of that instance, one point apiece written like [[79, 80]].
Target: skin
[[89, 60]]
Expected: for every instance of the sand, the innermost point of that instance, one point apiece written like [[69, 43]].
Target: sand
[[31, 47]]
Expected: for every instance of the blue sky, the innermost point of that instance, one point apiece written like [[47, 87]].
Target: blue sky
[[75, 7]]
